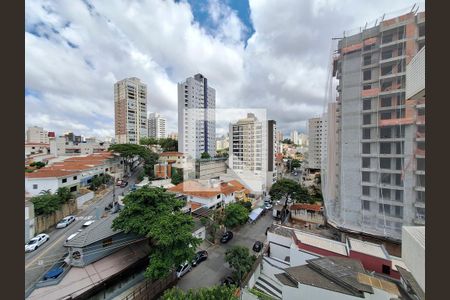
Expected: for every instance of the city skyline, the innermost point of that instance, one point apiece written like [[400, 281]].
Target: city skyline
[[264, 70]]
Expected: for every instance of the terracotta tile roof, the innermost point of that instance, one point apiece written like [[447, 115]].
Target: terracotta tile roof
[[37, 144], [305, 206], [171, 153], [71, 166], [195, 205], [194, 188]]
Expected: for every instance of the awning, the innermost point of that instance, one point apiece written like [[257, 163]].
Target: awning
[[255, 213]]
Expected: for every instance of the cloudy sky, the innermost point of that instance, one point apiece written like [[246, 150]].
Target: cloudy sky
[[263, 54]]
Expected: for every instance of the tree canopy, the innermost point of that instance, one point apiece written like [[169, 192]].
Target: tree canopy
[[167, 144], [295, 163], [155, 213], [47, 203], [205, 155], [240, 260], [215, 292], [177, 176], [235, 214], [288, 141]]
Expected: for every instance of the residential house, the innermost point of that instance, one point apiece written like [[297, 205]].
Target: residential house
[[311, 214]]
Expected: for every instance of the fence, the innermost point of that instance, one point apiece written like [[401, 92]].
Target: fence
[[42, 223]]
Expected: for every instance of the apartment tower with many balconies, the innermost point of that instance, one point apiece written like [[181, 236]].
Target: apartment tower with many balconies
[[130, 108], [196, 117], [156, 126]]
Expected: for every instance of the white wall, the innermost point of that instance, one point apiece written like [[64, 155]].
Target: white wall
[[298, 257], [415, 74], [413, 254], [200, 233], [42, 184]]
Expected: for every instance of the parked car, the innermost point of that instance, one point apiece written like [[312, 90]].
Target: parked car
[[227, 281], [35, 242], [73, 235], [257, 246], [88, 223], [65, 222], [124, 184], [183, 269], [226, 237], [199, 257], [267, 206], [119, 183]]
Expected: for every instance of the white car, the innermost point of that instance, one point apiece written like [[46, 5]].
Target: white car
[[73, 235], [267, 205], [35, 242], [65, 222], [183, 269], [88, 223]]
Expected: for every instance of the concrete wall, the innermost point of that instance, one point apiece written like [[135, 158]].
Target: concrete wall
[[42, 223], [415, 74], [310, 292], [298, 257], [413, 254]]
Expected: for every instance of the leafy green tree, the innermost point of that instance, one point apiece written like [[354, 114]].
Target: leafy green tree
[[148, 141], [96, 182], [177, 176], [156, 214], [128, 152], [37, 164], [288, 189], [288, 141], [215, 292], [246, 204], [205, 155], [168, 144], [235, 214], [45, 204], [295, 163], [46, 192], [64, 194], [240, 260]]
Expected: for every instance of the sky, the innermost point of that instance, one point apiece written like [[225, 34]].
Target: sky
[[257, 54]]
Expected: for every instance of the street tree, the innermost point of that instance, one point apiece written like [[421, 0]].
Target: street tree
[[128, 152], [177, 176], [148, 141], [240, 260], [64, 194], [235, 214], [285, 189], [295, 163], [215, 292], [287, 141], [205, 155], [156, 214], [168, 144]]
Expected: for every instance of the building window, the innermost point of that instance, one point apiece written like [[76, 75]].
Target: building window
[[367, 60], [365, 205], [107, 242], [218, 196], [398, 195], [64, 180], [366, 148], [365, 176], [420, 196], [385, 148], [35, 186], [75, 177], [385, 163], [384, 208], [366, 133], [385, 102], [366, 162], [385, 133], [385, 115], [385, 194], [398, 180], [385, 178], [398, 211], [367, 104], [386, 269], [367, 75], [365, 190], [366, 119]]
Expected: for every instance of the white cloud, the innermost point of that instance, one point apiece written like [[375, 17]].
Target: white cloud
[[83, 49]]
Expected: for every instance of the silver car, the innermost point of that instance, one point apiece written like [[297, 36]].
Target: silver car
[[65, 222], [183, 269], [35, 242]]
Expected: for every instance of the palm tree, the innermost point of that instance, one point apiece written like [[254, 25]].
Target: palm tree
[[46, 192]]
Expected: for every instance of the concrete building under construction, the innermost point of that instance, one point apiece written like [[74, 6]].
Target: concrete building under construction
[[374, 171]]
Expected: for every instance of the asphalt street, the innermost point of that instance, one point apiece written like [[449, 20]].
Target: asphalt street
[[212, 270], [41, 260]]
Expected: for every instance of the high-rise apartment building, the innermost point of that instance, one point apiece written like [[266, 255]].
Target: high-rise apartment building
[[156, 126], [279, 136], [130, 104], [303, 140], [37, 134], [380, 131], [294, 137], [252, 152], [316, 132], [173, 136], [196, 117]]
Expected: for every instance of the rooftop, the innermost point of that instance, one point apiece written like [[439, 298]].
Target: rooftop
[[368, 248], [195, 188], [305, 206], [320, 242], [171, 153], [71, 165], [418, 232]]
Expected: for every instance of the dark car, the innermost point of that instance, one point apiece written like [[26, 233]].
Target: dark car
[[124, 184], [199, 257], [257, 246], [226, 237], [227, 281]]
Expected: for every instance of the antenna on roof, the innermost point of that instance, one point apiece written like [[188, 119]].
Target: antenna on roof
[[382, 18], [413, 8], [365, 26]]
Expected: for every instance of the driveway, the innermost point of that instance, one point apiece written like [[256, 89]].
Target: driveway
[[212, 270]]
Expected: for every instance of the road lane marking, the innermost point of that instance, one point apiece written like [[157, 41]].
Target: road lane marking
[[43, 252]]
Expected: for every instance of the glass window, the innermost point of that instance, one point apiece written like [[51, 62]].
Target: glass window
[[366, 133], [366, 148], [367, 104], [366, 190], [365, 176], [385, 163], [385, 148], [385, 101], [398, 195], [385, 178], [366, 119], [365, 205], [385, 194], [366, 162], [367, 75]]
